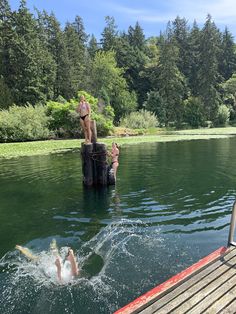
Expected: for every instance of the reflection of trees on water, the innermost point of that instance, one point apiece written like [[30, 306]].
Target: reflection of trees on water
[[101, 204], [188, 184], [95, 205], [182, 183], [116, 202], [42, 196]]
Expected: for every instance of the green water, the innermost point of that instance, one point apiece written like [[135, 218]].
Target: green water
[[171, 206]]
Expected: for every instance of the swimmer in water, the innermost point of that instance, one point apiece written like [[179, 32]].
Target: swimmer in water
[[65, 271]]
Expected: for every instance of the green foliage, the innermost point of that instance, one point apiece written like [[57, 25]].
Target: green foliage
[[104, 125], [23, 123], [131, 57], [194, 112], [64, 121], [223, 114], [229, 95], [136, 36], [30, 65], [181, 36], [92, 46], [155, 103], [227, 64], [194, 52], [109, 34], [106, 76], [171, 83], [142, 119], [208, 75], [6, 98], [75, 38], [41, 61], [125, 103]]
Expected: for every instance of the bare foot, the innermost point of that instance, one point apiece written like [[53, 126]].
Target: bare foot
[[70, 255], [74, 267], [58, 265]]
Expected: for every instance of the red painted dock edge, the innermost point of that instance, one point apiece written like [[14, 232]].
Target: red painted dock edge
[[152, 294]]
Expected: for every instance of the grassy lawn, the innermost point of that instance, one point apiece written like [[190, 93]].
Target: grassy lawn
[[213, 131], [10, 150]]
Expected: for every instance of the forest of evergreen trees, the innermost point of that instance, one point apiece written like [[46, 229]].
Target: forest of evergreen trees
[[185, 75]]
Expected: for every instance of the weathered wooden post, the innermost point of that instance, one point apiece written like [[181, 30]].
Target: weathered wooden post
[[93, 128], [94, 162], [87, 163], [100, 164]]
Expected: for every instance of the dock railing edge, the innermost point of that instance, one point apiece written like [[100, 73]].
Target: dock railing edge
[[232, 226]]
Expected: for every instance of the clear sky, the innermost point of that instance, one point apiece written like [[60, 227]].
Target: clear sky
[[152, 15]]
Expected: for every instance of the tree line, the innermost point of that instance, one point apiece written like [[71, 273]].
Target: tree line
[[185, 74]]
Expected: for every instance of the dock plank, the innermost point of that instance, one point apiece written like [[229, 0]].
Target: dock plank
[[194, 292], [171, 297], [217, 300], [208, 286], [200, 291], [230, 308]]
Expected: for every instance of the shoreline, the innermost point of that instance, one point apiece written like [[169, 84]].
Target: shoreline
[[36, 148]]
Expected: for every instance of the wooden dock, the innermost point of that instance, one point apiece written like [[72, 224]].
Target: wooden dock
[[209, 286]]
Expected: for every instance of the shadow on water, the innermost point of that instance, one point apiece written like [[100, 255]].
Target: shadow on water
[[171, 206]]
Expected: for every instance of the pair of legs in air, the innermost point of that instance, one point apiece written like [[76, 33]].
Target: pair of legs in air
[[73, 265], [74, 271]]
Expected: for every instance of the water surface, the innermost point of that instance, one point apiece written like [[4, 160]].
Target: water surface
[[171, 206]]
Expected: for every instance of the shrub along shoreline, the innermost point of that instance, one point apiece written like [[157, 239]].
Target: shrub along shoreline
[[20, 149]]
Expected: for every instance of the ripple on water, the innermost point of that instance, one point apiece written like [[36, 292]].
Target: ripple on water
[[102, 260]]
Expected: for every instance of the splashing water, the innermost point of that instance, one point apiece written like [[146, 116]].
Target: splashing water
[[31, 287]]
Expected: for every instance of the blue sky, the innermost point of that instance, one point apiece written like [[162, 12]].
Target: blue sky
[[152, 15]]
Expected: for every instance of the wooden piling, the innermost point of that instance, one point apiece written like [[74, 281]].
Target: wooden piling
[[93, 128], [95, 168], [100, 164], [87, 163]]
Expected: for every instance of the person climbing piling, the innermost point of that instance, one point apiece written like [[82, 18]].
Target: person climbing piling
[[114, 154]]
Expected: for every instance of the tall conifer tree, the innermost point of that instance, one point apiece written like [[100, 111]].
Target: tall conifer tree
[[7, 37], [109, 34], [181, 36], [227, 61], [28, 59], [208, 75], [194, 43], [171, 82], [75, 39], [92, 46], [58, 49]]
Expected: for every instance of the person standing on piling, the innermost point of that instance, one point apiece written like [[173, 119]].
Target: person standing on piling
[[84, 111]]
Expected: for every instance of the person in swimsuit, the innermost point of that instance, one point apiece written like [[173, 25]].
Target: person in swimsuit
[[84, 111], [64, 271], [114, 154]]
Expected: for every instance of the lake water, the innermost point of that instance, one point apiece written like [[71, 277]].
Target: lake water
[[171, 206]]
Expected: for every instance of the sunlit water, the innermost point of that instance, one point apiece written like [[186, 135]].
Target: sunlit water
[[171, 206]]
